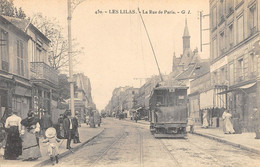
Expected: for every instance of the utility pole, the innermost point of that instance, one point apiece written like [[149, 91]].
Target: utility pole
[[201, 16], [70, 62]]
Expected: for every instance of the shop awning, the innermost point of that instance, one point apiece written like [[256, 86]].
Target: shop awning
[[247, 86]]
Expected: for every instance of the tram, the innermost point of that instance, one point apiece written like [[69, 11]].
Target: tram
[[168, 112]]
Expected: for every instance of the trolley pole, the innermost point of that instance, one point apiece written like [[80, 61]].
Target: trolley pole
[[70, 62]]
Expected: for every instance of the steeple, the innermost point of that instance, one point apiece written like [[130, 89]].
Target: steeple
[[186, 37]]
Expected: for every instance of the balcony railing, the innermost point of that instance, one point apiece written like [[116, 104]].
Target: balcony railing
[[42, 71]]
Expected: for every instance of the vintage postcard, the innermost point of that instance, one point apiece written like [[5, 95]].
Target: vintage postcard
[[125, 83]]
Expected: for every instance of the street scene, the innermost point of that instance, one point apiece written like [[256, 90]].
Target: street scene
[[130, 83]]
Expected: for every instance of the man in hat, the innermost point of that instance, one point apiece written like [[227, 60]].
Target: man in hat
[[45, 122], [69, 126]]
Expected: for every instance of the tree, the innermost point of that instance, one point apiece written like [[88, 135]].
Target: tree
[[7, 8], [58, 49]]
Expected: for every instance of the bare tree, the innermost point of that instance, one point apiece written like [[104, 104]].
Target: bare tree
[[58, 49]]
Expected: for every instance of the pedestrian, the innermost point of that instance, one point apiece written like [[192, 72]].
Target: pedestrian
[[13, 147], [31, 126], [60, 132], [45, 122], [228, 126], [87, 119], [52, 141], [92, 120], [76, 137], [191, 124], [69, 125], [97, 118], [256, 124], [205, 119]]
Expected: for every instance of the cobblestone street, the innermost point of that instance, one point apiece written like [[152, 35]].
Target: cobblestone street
[[130, 144]]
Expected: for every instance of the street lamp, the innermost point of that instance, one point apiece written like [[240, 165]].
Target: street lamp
[[70, 10]]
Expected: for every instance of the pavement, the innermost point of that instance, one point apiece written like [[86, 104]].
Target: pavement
[[86, 135], [244, 141]]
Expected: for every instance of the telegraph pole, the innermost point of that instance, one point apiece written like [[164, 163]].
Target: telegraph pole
[[70, 62]]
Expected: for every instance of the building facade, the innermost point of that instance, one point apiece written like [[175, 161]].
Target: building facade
[[43, 77], [234, 31], [15, 88]]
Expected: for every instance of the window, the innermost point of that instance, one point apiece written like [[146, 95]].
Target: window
[[214, 17], [240, 69], [222, 42], [252, 65], [230, 6], [214, 48], [4, 50], [38, 54], [221, 11], [215, 78], [20, 58], [231, 74], [240, 29], [230, 36], [223, 75], [252, 19]]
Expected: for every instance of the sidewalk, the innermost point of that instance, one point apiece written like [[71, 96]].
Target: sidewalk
[[244, 141], [86, 134]]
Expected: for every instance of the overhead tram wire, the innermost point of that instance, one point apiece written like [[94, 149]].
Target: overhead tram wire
[[151, 45], [142, 50]]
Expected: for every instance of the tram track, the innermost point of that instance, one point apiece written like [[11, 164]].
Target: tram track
[[175, 161], [94, 163], [191, 148]]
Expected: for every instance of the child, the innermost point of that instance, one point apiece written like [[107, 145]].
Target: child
[[52, 141]]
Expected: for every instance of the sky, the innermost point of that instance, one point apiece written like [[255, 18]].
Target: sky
[[116, 47]]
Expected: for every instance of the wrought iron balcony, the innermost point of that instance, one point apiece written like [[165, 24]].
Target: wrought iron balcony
[[42, 71]]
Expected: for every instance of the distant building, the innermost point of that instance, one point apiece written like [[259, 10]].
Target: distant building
[[234, 31], [82, 97]]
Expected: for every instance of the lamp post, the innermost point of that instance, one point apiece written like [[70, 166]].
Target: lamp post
[[71, 81], [70, 61]]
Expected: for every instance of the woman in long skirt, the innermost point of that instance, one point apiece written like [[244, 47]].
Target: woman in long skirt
[[228, 126], [13, 147], [31, 150]]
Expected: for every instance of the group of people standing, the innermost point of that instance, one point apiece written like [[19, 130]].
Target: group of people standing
[[227, 122], [22, 135], [68, 128]]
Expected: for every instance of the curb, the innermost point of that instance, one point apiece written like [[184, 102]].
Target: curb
[[228, 143], [45, 162]]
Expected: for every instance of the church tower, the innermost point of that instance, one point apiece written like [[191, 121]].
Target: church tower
[[186, 37]]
